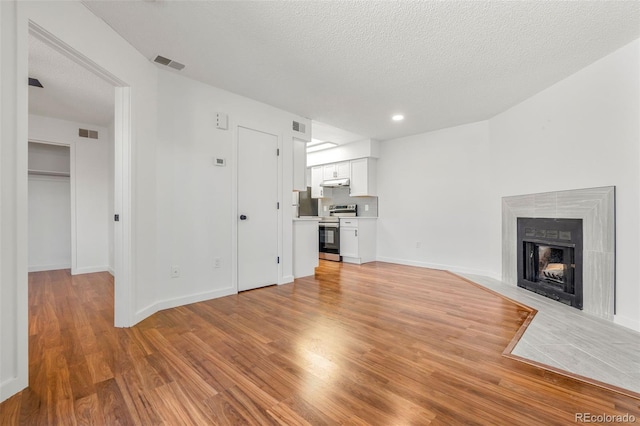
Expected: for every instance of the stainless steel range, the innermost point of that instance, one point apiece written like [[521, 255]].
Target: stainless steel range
[[330, 231]]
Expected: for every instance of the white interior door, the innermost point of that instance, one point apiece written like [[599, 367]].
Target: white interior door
[[257, 209]]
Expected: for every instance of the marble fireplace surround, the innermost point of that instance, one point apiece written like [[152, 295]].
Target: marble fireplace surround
[[596, 208]]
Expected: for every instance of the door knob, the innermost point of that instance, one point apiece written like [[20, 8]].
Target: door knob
[[243, 217]]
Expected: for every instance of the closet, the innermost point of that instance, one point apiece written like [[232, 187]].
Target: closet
[[49, 207]]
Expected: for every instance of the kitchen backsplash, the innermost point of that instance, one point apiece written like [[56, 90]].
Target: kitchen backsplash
[[341, 196]]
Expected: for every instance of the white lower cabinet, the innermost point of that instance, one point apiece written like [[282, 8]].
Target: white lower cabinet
[[305, 246], [358, 240]]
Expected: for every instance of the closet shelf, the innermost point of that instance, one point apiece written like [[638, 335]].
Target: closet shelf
[[48, 173]]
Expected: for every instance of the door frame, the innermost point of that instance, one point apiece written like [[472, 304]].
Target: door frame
[[122, 241], [234, 197]]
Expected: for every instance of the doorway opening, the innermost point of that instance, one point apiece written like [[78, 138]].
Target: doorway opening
[[71, 86]]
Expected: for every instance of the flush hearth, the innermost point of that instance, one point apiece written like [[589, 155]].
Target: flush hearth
[[550, 258]]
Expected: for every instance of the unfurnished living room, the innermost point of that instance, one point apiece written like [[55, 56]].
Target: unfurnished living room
[[319, 212]]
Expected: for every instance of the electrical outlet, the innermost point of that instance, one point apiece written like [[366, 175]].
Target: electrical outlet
[[366, 207], [418, 244], [175, 271], [217, 262]]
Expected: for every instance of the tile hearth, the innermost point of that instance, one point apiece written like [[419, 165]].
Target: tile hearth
[[591, 347]]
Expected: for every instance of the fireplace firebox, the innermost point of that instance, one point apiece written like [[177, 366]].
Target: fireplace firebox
[[550, 258]]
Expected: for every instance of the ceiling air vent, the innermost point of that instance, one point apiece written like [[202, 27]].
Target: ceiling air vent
[[35, 82], [85, 133], [168, 63], [302, 129]]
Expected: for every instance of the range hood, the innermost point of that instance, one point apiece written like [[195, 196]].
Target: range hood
[[335, 183]]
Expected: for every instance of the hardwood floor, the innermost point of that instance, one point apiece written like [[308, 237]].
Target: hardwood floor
[[372, 344]]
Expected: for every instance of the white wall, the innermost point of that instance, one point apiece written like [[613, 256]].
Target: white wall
[[432, 201], [586, 133], [13, 208], [100, 47], [49, 157], [182, 207], [582, 132], [196, 212], [89, 185]]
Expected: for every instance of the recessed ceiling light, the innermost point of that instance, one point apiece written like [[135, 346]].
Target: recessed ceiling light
[[398, 117], [320, 147]]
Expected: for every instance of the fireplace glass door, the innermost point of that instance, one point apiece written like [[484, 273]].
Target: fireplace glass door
[[551, 265], [550, 258]]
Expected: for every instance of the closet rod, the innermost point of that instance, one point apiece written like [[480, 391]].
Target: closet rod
[[49, 173]]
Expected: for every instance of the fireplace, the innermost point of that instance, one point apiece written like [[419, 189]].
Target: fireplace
[[550, 258], [596, 208]]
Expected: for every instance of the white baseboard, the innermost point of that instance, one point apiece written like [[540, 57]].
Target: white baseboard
[[89, 270], [111, 271], [286, 279], [12, 386], [627, 322], [450, 268], [180, 301], [55, 267]]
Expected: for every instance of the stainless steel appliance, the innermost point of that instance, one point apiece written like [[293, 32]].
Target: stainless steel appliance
[[303, 204], [330, 231]]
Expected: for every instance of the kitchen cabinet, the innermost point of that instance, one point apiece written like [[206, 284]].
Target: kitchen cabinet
[[358, 240], [317, 177], [299, 165], [363, 177], [340, 170], [305, 246]]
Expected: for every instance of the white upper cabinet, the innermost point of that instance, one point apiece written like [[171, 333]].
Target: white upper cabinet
[[328, 171], [363, 177], [316, 179], [299, 165], [343, 170], [340, 170]]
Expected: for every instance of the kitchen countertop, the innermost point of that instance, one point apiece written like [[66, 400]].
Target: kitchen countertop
[[317, 218], [306, 218]]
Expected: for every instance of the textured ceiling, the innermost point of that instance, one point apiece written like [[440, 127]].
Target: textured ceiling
[[70, 92], [352, 64]]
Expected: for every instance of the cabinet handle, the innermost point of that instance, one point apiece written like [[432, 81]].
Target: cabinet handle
[[321, 192], [356, 232]]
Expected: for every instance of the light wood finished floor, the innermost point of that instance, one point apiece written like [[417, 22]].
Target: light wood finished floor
[[574, 342], [373, 344]]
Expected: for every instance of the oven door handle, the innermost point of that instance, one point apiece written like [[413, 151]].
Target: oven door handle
[[329, 225]]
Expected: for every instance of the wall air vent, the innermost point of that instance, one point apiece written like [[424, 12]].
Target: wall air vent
[[298, 127], [302, 129], [35, 82], [85, 133], [168, 63]]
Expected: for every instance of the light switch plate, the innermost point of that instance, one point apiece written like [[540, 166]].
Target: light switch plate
[[222, 121]]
